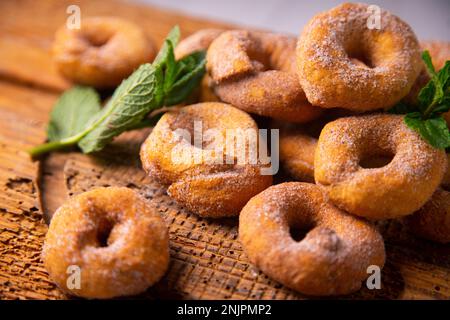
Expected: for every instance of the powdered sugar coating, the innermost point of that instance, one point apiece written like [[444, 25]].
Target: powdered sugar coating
[[330, 77], [397, 189], [331, 259], [206, 187], [136, 252], [255, 71]]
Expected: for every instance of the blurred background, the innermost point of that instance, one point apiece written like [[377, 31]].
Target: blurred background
[[430, 19]]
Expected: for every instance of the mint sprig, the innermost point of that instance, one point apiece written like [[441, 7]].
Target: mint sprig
[[433, 100], [78, 119]]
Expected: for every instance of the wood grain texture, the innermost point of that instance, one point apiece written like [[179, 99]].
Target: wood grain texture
[[207, 261]]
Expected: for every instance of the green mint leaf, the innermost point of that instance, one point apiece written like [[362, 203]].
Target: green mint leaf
[[426, 95], [435, 93], [426, 57], [433, 130], [173, 37], [171, 68], [72, 112], [193, 66], [130, 103], [444, 77]]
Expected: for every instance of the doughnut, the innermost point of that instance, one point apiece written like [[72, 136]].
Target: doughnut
[[120, 244], [256, 72], [103, 52], [432, 221], [395, 189], [333, 256], [199, 41], [329, 77], [198, 177]]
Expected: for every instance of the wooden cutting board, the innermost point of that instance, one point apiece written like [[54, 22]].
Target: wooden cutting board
[[207, 261]]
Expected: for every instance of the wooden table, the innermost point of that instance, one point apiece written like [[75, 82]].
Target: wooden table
[[207, 261]]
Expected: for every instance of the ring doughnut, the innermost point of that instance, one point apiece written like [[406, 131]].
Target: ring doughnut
[[331, 79], [333, 257], [119, 243], [432, 221], [199, 41], [396, 189], [103, 52], [256, 72], [205, 186]]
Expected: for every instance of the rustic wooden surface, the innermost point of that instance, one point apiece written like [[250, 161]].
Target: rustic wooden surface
[[207, 261]]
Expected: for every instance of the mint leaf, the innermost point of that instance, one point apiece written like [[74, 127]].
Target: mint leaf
[[173, 37], [444, 77], [78, 118], [426, 57], [131, 101], [72, 112], [433, 130], [194, 70]]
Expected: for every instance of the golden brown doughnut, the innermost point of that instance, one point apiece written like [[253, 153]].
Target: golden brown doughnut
[[331, 79], [255, 71], [199, 41], [332, 258], [103, 52], [120, 244], [207, 187], [394, 190], [432, 221]]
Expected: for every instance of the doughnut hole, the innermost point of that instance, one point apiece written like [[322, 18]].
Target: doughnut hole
[[376, 160], [298, 233], [104, 230], [300, 222], [213, 132], [97, 40]]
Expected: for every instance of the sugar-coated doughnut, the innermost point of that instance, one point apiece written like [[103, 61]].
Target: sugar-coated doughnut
[[432, 221], [103, 52], [329, 76], [256, 72], [332, 258], [118, 242], [393, 190], [198, 177]]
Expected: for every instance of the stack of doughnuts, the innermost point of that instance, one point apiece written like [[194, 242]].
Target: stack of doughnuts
[[327, 92]]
